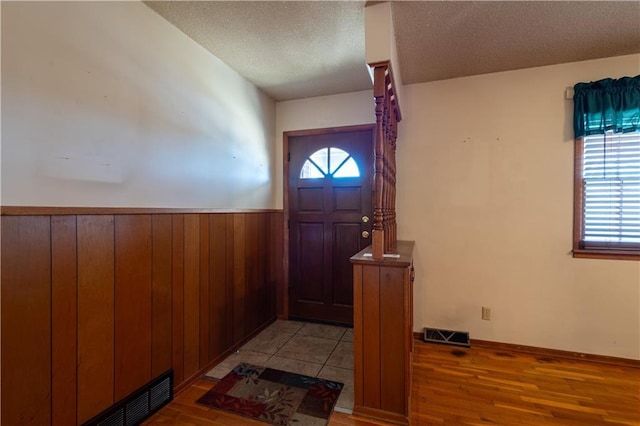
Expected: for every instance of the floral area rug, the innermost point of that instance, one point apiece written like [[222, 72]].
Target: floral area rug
[[274, 396]]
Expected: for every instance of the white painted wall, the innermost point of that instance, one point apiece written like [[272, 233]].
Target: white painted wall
[[107, 104], [485, 172], [347, 109]]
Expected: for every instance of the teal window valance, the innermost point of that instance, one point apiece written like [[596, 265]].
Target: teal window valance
[[607, 105]]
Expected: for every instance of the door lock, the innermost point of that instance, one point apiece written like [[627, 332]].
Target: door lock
[[365, 234], [365, 219]]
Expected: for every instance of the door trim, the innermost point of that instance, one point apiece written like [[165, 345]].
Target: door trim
[[283, 299]]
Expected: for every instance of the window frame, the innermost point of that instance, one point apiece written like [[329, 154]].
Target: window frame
[[580, 248]]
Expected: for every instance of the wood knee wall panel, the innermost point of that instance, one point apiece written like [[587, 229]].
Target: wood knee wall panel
[[219, 290], [96, 316], [26, 321], [96, 305], [191, 294], [161, 276], [133, 298], [64, 310], [383, 331]]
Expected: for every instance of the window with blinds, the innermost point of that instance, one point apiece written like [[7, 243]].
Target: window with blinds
[[610, 184]]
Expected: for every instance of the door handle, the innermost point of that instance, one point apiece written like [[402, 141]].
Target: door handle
[[365, 234]]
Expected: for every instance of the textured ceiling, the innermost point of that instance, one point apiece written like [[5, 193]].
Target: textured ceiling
[[290, 49], [438, 40], [297, 49]]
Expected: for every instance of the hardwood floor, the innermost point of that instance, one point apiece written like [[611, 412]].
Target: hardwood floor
[[458, 386]]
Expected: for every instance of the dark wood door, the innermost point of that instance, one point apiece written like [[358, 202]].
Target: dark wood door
[[330, 215]]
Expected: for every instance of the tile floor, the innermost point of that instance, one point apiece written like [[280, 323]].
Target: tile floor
[[317, 350]]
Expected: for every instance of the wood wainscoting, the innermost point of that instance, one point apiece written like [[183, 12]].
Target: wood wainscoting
[[96, 304]]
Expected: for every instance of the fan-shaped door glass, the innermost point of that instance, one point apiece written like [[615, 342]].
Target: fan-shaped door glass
[[329, 162]]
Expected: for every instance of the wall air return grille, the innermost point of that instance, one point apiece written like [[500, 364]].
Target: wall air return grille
[[138, 406], [160, 394], [115, 419], [447, 337], [137, 409]]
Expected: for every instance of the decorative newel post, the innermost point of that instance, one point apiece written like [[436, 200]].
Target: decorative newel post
[[383, 281], [378, 166], [387, 117]]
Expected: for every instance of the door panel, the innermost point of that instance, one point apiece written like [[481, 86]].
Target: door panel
[[329, 179], [346, 244], [311, 249], [347, 199], [310, 200]]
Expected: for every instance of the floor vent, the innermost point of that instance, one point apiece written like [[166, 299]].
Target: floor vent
[[138, 406], [447, 337]]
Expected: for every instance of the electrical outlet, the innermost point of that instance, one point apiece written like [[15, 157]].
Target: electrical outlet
[[486, 313]]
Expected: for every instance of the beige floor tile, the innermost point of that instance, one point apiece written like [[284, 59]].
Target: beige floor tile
[[268, 342], [294, 366], [344, 376], [348, 336], [337, 374], [303, 353], [225, 367], [284, 326], [345, 400], [322, 330], [308, 348], [342, 356]]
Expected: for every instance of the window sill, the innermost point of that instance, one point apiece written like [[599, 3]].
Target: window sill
[[606, 254]]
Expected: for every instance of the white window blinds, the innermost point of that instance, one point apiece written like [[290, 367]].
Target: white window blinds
[[611, 190]]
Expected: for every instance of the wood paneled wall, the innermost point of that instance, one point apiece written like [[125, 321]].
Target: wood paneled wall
[[96, 305]]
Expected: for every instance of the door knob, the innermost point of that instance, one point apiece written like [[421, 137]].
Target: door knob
[[365, 234], [365, 219]]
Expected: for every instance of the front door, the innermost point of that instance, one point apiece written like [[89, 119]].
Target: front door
[[330, 213]]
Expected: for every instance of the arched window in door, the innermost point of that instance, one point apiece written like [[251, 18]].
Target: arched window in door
[[329, 162]]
